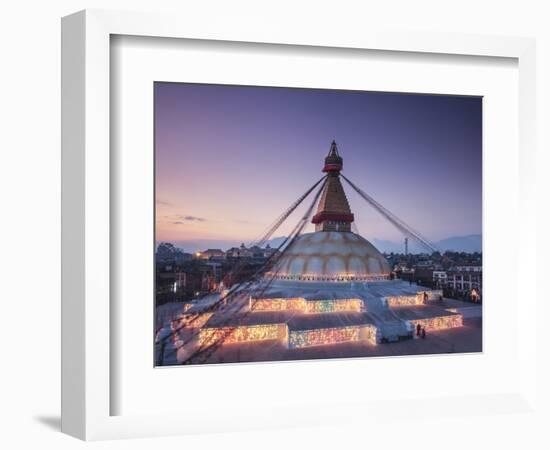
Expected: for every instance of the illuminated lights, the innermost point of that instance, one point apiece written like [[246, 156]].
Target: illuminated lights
[[278, 304], [438, 323], [413, 300], [246, 333], [405, 300], [327, 336], [340, 278], [435, 294], [296, 338], [306, 306], [341, 305]]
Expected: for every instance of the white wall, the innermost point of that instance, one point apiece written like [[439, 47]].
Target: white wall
[[30, 187]]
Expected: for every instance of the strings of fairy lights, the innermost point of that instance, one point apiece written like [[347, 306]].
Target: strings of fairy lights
[[405, 300], [333, 335], [439, 323], [307, 306]]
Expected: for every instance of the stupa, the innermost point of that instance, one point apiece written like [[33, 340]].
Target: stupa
[[328, 287]]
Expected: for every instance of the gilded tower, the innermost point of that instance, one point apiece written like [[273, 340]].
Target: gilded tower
[[333, 212]]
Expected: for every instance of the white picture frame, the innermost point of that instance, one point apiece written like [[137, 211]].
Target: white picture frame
[[86, 216]]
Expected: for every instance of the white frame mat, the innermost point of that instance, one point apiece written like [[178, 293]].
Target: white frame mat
[[88, 178]]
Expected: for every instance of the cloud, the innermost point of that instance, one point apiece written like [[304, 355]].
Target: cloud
[[162, 202], [182, 219], [194, 219]]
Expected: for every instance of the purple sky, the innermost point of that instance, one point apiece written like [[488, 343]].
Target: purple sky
[[230, 159]]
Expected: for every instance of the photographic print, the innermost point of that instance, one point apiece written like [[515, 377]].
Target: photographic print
[[298, 224]]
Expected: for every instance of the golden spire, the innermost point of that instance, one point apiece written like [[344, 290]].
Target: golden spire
[[333, 211]]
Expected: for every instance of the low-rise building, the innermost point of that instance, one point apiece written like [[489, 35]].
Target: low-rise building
[[211, 253], [466, 281], [439, 278]]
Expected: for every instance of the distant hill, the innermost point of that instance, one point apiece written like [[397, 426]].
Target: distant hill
[[393, 247], [470, 243], [192, 246]]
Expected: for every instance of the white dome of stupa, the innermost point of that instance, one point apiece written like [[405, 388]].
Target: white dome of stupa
[[331, 256]]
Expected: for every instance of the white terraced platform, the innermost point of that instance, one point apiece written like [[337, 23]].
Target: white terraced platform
[[287, 303]]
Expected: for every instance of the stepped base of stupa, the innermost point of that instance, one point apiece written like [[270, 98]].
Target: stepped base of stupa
[[302, 314]]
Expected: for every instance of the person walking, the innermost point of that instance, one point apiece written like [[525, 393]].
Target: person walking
[[423, 332], [418, 329]]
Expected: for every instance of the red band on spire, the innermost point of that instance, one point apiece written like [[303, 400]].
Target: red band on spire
[[332, 167], [322, 216]]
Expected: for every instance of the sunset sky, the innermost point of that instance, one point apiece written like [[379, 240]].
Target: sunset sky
[[230, 159]]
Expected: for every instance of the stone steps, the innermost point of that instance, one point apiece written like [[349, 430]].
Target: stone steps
[[390, 326]]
